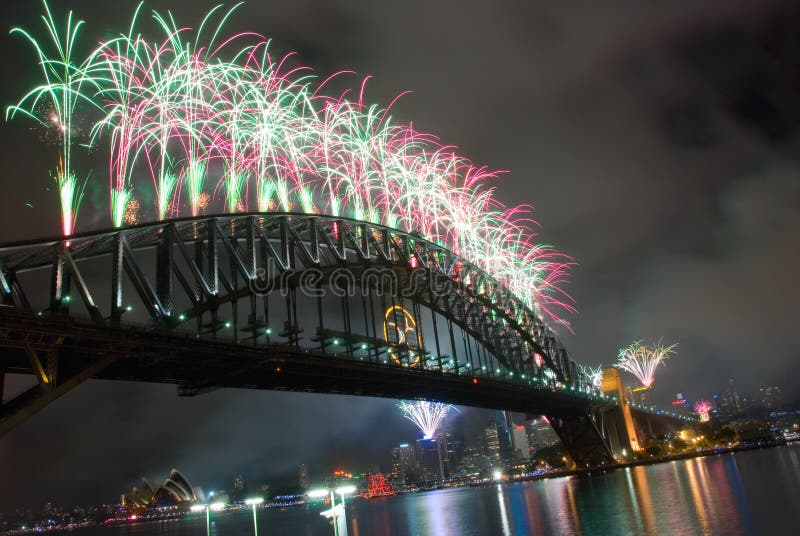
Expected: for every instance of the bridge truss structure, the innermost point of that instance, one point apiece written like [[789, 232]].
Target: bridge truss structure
[[283, 301]]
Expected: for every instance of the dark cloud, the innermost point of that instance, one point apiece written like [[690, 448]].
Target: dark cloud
[[657, 142]]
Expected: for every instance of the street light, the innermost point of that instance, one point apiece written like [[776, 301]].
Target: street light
[[341, 490], [200, 508], [216, 506], [254, 501]]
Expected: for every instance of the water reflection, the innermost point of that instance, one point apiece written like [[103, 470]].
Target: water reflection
[[634, 504], [746, 493], [576, 519], [643, 497], [697, 499], [503, 515]]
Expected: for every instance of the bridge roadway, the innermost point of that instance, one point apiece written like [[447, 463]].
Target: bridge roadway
[[199, 365]]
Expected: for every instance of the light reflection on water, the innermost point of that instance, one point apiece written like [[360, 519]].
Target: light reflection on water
[[754, 492]]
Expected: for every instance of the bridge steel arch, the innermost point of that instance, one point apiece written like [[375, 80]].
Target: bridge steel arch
[[208, 291]]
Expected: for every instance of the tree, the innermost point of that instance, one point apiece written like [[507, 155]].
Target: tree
[[554, 456], [725, 435], [654, 450]]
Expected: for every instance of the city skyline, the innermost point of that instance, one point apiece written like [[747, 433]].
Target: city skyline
[[473, 423], [716, 179]]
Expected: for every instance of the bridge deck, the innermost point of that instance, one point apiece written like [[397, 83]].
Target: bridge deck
[[198, 365]]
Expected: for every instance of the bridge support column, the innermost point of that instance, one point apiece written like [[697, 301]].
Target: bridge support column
[[116, 280], [59, 283], [164, 262], [30, 402]]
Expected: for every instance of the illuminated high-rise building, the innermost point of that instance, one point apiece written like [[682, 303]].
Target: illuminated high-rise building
[[238, 483], [491, 442], [473, 461], [729, 403], [430, 460], [519, 435], [770, 397], [542, 434], [404, 464], [504, 438], [497, 443], [452, 434]]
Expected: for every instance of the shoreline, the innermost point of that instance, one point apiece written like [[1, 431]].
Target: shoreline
[[635, 463]]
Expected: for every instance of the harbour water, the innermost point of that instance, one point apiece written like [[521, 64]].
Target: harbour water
[[753, 492]]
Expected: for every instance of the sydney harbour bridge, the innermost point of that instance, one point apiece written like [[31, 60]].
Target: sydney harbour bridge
[[292, 302], [275, 299]]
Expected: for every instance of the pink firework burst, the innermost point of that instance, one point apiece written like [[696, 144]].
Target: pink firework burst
[[642, 361]]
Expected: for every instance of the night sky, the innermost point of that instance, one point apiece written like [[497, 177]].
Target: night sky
[[657, 142]]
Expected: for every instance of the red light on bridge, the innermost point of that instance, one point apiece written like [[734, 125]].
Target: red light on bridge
[[474, 380]]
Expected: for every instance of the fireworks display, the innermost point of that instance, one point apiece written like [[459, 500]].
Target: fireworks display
[[428, 416], [642, 361], [53, 102], [594, 374], [203, 122], [703, 408]]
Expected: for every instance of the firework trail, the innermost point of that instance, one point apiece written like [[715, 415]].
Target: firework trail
[[428, 416], [63, 86], [642, 361], [215, 118]]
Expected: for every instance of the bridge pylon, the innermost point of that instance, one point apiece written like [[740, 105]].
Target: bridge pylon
[[621, 429]]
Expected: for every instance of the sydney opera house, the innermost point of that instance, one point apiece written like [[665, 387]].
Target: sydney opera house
[[176, 489]]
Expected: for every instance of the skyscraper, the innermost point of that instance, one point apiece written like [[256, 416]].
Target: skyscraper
[[452, 435], [504, 438], [404, 462], [543, 435], [728, 402], [770, 397], [430, 460], [519, 435], [491, 442]]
